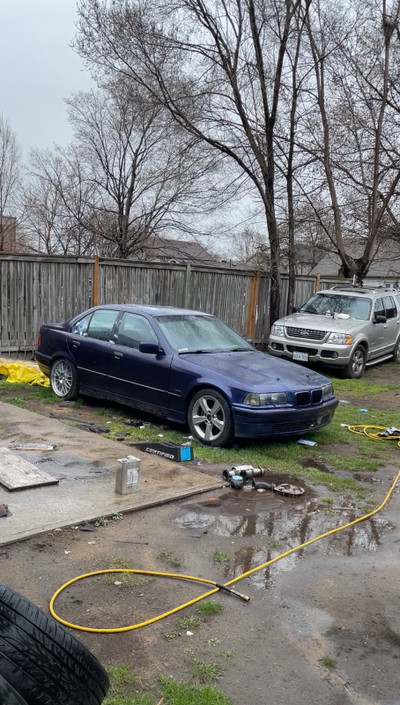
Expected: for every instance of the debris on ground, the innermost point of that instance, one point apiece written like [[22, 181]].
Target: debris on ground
[[4, 509]]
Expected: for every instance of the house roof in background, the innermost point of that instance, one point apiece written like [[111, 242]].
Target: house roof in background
[[161, 249], [385, 264]]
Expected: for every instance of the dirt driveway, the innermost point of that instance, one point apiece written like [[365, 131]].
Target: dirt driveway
[[322, 625]]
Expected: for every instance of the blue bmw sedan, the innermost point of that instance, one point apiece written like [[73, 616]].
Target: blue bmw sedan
[[184, 366]]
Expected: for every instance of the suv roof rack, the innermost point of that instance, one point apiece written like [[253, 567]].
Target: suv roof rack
[[363, 290]]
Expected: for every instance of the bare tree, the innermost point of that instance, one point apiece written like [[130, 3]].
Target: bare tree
[[57, 204], [9, 176], [144, 173], [215, 65], [356, 62]]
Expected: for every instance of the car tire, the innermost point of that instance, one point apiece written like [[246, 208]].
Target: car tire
[[356, 366], [8, 695], [396, 351], [42, 661], [210, 418], [64, 379]]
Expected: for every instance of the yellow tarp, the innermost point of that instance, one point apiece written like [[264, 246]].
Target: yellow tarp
[[23, 373]]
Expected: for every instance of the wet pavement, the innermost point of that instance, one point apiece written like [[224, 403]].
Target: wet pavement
[[85, 465]]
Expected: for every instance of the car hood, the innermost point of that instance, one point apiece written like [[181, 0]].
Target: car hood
[[324, 323], [258, 371]]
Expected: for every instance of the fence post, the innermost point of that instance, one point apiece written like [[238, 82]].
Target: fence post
[[186, 283], [252, 306], [317, 282], [96, 281]]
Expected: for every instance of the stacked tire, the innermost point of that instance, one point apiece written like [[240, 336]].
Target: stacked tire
[[41, 663]]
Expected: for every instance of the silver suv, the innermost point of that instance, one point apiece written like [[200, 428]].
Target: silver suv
[[343, 327]]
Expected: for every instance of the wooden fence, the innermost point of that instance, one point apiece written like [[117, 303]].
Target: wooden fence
[[40, 289]]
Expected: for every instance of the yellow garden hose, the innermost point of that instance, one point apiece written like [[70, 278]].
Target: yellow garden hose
[[375, 432], [216, 587]]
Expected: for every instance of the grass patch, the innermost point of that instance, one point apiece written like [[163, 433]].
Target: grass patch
[[123, 680], [206, 672], [176, 693], [188, 623], [169, 558], [328, 662], [208, 608], [220, 557]]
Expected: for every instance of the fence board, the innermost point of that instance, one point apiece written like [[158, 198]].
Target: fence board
[[40, 289]]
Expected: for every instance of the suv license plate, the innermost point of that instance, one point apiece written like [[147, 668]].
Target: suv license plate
[[300, 356]]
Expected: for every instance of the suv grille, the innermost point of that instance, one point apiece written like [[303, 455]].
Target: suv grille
[[305, 333]]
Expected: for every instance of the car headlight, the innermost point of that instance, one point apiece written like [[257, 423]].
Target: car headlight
[[327, 391], [274, 398], [278, 330], [340, 339]]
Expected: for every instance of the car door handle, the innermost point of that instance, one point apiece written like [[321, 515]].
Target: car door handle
[[75, 344], [118, 355]]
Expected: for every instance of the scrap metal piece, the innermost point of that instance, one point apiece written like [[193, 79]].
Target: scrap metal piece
[[289, 490], [32, 446]]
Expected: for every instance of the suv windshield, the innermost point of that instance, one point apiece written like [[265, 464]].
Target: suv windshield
[[352, 306]]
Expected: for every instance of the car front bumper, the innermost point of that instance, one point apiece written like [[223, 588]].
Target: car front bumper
[[253, 422], [332, 355]]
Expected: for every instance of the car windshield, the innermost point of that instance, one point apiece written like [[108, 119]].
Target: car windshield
[[191, 334], [349, 306]]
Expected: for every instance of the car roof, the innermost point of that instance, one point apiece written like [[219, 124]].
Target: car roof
[[154, 310], [360, 291]]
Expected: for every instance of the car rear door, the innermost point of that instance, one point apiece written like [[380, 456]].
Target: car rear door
[[89, 344], [138, 378]]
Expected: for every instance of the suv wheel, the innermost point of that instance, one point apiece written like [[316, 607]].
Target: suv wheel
[[396, 351], [356, 366]]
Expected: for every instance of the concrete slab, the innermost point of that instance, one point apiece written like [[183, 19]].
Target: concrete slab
[[17, 473], [85, 465]]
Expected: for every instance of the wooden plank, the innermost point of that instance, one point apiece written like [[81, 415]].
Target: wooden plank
[[16, 473]]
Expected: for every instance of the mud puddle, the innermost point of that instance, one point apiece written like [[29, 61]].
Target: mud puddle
[[264, 525]]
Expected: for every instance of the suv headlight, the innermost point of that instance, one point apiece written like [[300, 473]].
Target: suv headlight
[[327, 391], [274, 398], [340, 339], [278, 330]]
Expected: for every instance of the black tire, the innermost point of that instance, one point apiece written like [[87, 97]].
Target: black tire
[[396, 351], [64, 379], [42, 660], [8, 695], [356, 366], [210, 418]]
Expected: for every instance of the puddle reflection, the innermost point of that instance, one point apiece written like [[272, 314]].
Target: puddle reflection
[[278, 524]]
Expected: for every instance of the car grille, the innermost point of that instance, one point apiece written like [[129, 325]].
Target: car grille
[[300, 426], [298, 348], [308, 398], [305, 333]]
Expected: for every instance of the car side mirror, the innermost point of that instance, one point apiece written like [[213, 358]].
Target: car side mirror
[[380, 318], [294, 309], [151, 348]]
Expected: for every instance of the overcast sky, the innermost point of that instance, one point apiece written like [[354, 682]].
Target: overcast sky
[[38, 69]]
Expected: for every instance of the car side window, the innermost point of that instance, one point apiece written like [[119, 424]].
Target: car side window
[[101, 324], [133, 330], [390, 307], [379, 309], [81, 326]]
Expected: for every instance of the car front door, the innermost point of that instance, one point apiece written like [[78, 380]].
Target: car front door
[[89, 344], [139, 378]]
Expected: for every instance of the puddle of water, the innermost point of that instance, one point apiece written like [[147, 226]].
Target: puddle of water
[[278, 524]]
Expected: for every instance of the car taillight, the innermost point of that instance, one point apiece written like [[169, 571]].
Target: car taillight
[[38, 340]]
